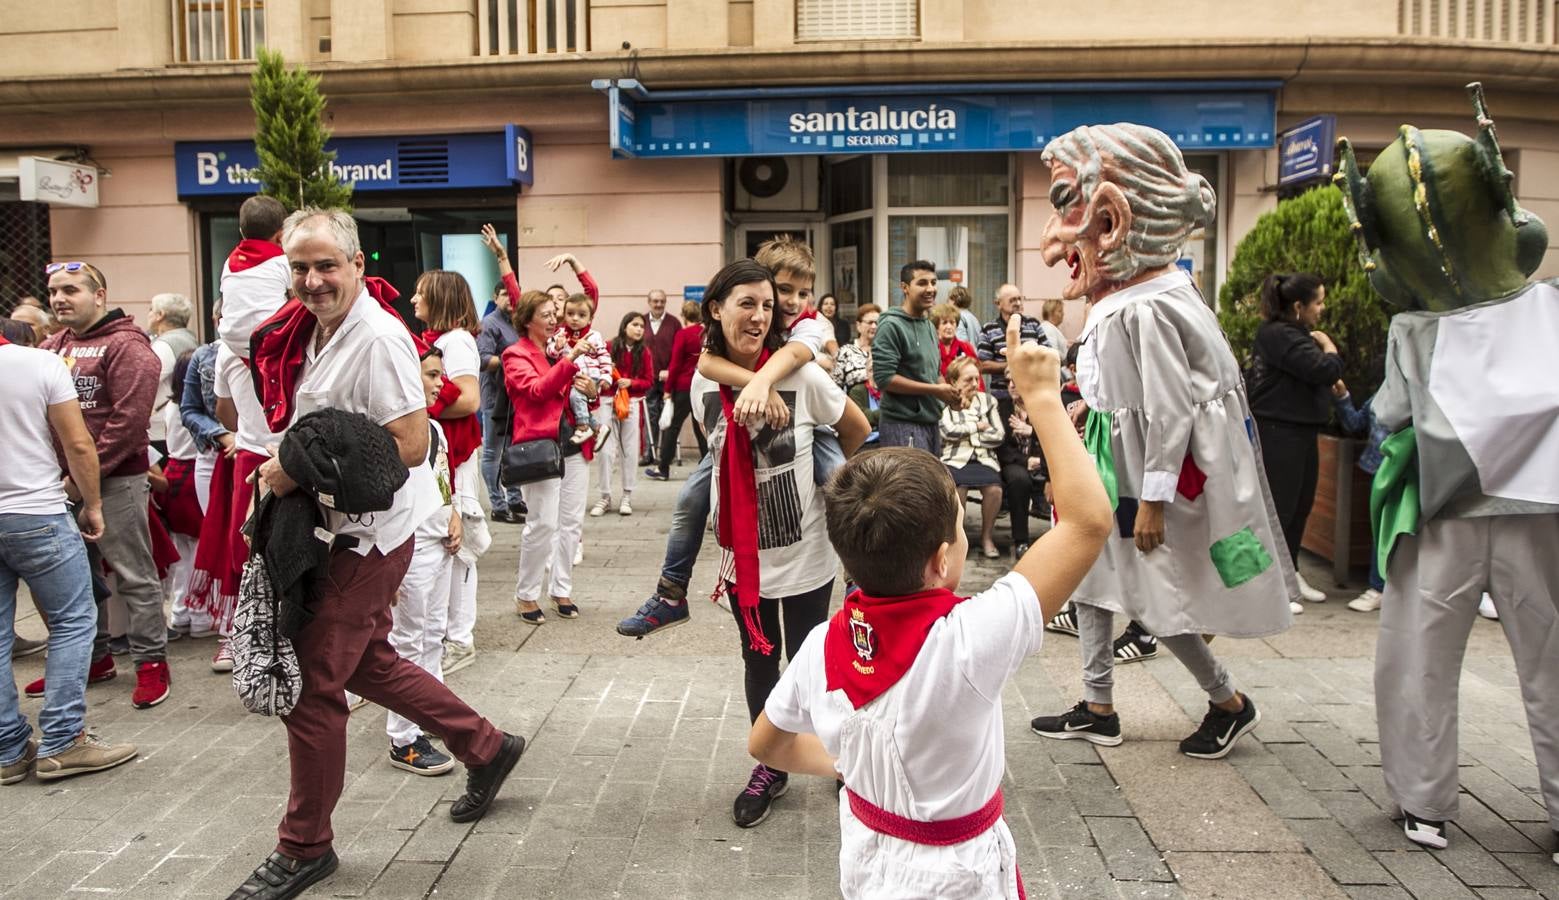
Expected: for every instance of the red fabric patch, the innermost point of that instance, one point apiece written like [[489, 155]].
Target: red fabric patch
[[1192, 479]]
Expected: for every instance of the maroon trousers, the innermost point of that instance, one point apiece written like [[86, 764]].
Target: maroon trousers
[[345, 647]]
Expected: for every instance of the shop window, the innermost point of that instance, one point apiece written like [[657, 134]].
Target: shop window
[[214, 30], [969, 250], [857, 20], [850, 185], [519, 27], [948, 179], [850, 263]]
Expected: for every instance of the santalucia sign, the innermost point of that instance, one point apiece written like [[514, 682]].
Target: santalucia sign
[[864, 128]]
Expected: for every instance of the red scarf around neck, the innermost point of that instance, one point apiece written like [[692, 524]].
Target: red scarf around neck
[[873, 641], [277, 350], [465, 433], [250, 253], [737, 525], [3, 341]]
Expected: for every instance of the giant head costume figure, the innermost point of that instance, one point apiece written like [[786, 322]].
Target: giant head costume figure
[[1125, 205], [1437, 223]]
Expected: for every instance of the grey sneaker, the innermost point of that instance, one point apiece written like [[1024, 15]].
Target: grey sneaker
[[19, 770], [88, 754], [457, 656]]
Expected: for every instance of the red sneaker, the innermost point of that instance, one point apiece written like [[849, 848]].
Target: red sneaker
[[101, 670], [151, 684]]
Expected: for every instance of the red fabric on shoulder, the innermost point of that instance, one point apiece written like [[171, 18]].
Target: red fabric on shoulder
[[871, 642], [250, 253]]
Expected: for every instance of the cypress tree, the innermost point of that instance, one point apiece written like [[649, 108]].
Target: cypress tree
[[290, 136]]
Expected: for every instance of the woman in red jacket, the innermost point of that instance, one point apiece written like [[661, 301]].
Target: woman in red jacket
[[538, 392], [635, 372], [679, 380]]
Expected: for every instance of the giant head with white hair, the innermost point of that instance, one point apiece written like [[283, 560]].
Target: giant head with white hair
[[1125, 205]]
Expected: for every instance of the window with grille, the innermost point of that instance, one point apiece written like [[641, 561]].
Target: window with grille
[[857, 20], [215, 30], [519, 27], [24, 251], [1517, 21]]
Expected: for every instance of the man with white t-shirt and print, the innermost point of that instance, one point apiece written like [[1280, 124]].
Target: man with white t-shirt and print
[[338, 347], [41, 545], [808, 338]]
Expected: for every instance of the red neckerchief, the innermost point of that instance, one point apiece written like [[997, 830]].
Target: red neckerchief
[[738, 521], [949, 351], [3, 341], [873, 641], [806, 313], [276, 351], [250, 253], [464, 435], [573, 336]]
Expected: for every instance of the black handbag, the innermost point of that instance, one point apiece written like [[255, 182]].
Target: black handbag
[[531, 461]]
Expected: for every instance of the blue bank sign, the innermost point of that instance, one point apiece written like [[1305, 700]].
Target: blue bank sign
[[427, 162], [920, 118], [1305, 151]]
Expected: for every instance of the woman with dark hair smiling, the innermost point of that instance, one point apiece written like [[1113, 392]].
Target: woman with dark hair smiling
[[634, 370], [1294, 368], [776, 559], [828, 308]]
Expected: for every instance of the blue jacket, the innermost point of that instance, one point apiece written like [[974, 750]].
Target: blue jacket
[[198, 403], [1361, 421]]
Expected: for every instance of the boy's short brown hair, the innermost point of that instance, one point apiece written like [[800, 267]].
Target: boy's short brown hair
[[888, 511], [944, 312], [783, 253], [580, 300]]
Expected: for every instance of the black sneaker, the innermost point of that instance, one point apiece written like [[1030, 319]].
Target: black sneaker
[[1063, 622], [281, 877], [483, 782], [764, 787], [1135, 645], [1080, 724], [1426, 832], [1018, 550], [420, 757], [1220, 730]]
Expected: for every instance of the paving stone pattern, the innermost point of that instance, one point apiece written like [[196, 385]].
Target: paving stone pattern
[[638, 749]]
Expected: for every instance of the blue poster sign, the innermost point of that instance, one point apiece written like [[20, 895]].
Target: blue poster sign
[[423, 162], [693, 293], [1305, 151], [920, 118]]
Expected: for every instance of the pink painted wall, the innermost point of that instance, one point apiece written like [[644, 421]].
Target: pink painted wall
[[635, 224], [140, 235], [1037, 280]]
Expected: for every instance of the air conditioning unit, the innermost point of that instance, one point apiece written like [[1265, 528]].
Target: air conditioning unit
[[774, 184]]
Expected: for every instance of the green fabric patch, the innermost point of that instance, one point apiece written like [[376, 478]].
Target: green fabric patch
[[1096, 440], [1394, 504], [1239, 558]]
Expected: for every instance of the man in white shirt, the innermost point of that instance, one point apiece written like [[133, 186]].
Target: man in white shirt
[[171, 338], [360, 358], [40, 544]]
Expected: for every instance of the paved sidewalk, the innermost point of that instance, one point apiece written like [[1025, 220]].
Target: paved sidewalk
[[638, 751]]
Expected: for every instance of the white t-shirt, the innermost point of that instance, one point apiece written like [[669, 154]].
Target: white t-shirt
[[31, 381], [158, 426], [814, 332], [794, 554], [181, 444], [235, 382], [436, 526], [929, 748], [370, 366], [460, 354]]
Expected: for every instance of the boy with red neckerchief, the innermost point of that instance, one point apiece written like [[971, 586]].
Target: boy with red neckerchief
[[899, 695]]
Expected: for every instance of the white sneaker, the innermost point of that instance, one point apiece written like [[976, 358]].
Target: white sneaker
[[456, 657], [599, 509], [1424, 832], [1295, 607], [1309, 593], [626, 509], [1486, 608], [579, 553], [602, 432], [1369, 601]]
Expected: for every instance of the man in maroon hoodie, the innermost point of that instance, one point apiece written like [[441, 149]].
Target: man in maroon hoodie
[[116, 373]]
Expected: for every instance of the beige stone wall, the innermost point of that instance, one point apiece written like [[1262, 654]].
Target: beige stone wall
[[1047, 20], [1537, 189], [434, 29], [643, 23], [57, 38]]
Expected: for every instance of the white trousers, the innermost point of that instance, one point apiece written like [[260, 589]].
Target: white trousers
[[1433, 585], [417, 622], [552, 526], [175, 588], [205, 464], [621, 450], [462, 578]]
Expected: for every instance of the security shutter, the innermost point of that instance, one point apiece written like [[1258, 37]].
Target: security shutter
[[857, 20]]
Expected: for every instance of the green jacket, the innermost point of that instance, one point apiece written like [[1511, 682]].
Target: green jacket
[[906, 346]]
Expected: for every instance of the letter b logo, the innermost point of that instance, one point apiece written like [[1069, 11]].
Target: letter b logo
[[206, 171]]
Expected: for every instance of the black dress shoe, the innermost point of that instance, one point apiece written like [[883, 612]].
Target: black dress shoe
[[483, 782], [280, 877]]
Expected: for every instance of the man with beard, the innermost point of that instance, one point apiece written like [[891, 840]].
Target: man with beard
[[905, 364], [1198, 547]]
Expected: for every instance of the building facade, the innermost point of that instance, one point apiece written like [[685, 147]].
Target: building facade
[[658, 139]]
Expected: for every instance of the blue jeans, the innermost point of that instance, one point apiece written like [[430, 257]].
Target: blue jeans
[[494, 441], [48, 553], [691, 514]]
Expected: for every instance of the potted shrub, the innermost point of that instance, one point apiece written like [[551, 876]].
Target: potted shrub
[[1309, 233]]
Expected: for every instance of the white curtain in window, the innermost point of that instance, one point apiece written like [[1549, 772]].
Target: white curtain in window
[[856, 20]]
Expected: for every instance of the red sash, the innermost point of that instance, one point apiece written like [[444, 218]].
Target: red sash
[[944, 833], [872, 642], [464, 433], [738, 520]]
